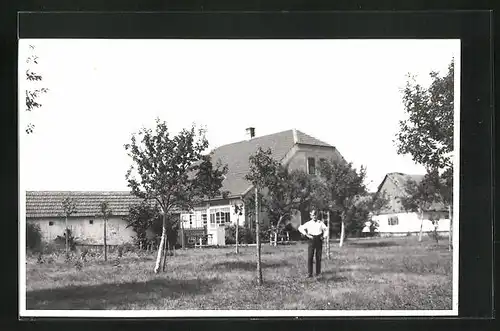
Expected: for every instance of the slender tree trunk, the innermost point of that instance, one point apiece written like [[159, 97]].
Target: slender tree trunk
[[162, 244], [105, 242], [421, 226], [328, 238], [182, 234], [342, 233], [450, 233], [276, 230], [166, 250], [67, 237], [257, 237], [237, 231]]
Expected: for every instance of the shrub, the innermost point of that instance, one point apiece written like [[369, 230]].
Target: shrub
[[293, 233], [84, 253], [231, 235], [33, 237], [60, 241], [79, 265], [246, 235]]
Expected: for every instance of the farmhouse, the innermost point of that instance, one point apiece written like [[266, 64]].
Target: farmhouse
[[293, 148], [87, 225], [394, 220]]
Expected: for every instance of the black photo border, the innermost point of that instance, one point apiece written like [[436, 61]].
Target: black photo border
[[474, 28]]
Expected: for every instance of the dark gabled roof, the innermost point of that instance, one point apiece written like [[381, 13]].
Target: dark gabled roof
[[49, 203], [236, 155], [305, 139], [400, 180]]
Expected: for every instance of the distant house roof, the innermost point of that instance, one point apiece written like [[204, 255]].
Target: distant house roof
[[49, 203], [236, 155], [400, 179]]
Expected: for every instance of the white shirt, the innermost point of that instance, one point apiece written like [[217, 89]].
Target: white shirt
[[314, 228]]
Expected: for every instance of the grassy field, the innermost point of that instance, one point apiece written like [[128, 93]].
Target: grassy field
[[398, 273]]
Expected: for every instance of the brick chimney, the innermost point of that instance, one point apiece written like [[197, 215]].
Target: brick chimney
[[250, 132]]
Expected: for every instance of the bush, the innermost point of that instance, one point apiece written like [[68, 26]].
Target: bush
[[60, 241], [33, 237], [293, 233], [246, 235], [231, 235]]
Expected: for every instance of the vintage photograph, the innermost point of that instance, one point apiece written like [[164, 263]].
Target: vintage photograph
[[176, 177]]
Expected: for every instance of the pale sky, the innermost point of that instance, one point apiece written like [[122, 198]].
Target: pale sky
[[344, 92]]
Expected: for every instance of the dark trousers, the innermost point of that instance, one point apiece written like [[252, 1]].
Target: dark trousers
[[315, 246]]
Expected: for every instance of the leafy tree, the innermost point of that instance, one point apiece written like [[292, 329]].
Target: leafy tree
[[365, 205], [106, 213], [343, 187], [33, 236], [285, 191], [69, 208], [143, 217], [172, 171], [262, 167], [427, 132], [421, 196], [33, 94]]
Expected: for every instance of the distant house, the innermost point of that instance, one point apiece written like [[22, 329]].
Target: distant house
[[395, 220], [87, 225], [292, 148]]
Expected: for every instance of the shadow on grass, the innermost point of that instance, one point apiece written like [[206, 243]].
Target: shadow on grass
[[109, 296], [370, 244], [247, 265], [332, 276]]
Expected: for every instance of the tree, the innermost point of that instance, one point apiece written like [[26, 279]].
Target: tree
[[427, 132], [285, 191], [419, 197], [33, 236], [33, 94], [106, 213], [262, 167], [343, 187], [172, 171], [69, 208], [141, 218]]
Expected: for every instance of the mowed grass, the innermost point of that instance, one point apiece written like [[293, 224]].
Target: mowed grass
[[396, 273]]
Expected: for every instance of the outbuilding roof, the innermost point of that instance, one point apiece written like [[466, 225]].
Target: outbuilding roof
[[49, 203]]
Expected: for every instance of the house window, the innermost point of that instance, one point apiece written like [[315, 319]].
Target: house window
[[51, 223], [393, 220], [311, 166], [220, 216], [91, 221]]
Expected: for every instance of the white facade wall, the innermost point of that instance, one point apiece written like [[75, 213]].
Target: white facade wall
[[408, 222], [85, 232]]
